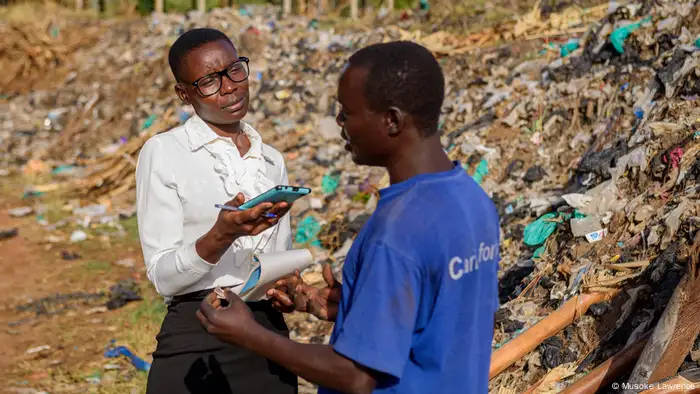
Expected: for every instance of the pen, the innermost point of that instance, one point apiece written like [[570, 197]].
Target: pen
[[230, 208]]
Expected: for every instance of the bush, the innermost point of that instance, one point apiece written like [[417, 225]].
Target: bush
[[179, 6]]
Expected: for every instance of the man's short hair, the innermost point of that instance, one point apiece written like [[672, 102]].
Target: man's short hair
[[405, 75], [188, 41]]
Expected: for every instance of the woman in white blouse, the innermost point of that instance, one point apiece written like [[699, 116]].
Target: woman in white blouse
[[189, 246]]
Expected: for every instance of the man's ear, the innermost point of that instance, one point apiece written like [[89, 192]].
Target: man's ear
[[395, 120], [182, 94]]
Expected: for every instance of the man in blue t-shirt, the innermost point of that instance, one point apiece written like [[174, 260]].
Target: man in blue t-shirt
[[415, 310]]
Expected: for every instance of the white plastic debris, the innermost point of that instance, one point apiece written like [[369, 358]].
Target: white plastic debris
[[78, 236]]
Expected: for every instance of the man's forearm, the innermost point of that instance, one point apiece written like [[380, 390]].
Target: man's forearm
[[319, 364], [212, 245]]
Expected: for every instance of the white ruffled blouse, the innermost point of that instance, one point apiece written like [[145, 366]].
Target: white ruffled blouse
[[180, 175]]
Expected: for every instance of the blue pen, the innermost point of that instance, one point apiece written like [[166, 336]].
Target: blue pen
[[230, 208]]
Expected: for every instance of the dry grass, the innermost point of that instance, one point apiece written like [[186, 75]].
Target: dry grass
[[40, 11]]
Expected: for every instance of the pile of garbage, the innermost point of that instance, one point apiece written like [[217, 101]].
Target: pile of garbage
[[583, 126]]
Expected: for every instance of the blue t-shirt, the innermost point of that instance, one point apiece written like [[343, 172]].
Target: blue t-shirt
[[420, 287]]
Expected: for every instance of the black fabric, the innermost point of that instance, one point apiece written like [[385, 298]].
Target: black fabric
[[188, 360], [196, 296]]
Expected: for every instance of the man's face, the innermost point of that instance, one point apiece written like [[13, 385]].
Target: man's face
[[230, 104], [363, 130]]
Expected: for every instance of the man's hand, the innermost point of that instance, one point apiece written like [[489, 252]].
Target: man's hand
[[250, 221], [291, 293], [230, 324]]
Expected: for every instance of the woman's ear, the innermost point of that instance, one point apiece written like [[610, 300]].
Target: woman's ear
[[182, 94]]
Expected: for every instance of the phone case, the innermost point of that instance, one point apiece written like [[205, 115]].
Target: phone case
[[277, 194]]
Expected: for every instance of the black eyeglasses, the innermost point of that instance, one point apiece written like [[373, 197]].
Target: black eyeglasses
[[210, 84]]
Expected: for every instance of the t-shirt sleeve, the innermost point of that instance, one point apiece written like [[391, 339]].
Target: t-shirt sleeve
[[377, 331]]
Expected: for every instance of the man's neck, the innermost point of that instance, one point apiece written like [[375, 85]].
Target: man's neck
[[420, 157]]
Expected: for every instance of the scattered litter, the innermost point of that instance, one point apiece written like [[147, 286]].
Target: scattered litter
[[20, 212], [9, 233], [570, 46], [307, 230], [138, 363], [78, 236], [128, 263], [596, 236], [618, 37], [584, 226], [122, 293], [38, 349], [66, 255]]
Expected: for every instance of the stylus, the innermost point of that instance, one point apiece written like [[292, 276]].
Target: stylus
[[230, 208]]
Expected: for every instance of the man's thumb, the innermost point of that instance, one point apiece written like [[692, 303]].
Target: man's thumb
[[328, 275], [232, 297]]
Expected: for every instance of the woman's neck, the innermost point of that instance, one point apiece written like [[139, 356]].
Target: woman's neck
[[226, 130]]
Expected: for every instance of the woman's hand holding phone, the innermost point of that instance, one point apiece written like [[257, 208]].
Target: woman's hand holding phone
[[250, 221]]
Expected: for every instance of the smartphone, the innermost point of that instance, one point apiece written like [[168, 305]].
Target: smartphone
[[279, 193]]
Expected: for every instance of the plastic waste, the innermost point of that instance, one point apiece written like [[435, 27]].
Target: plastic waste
[[481, 171], [91, 210], [554, 353], [577, 201], [8, 233], [122, 293], [667, 24], [537, 232], [596, 236], [570, 46], [329, 183], [113, 352], [619, 35], [539, 251], [534, 174], [605, 199], [78, 236], [511, 284], [20, 212], [64, 169], [307, 230], [149, 121], [673, 222], [583, 226]]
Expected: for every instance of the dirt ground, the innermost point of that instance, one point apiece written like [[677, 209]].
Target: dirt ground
[[75, 335], [61, 349]]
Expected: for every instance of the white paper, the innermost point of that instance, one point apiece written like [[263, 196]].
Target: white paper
[[274, 266]]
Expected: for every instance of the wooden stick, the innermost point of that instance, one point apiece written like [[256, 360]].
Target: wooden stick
[[628, 266], [611, 369], [287, 7], [683, 338], [686, 326], [159, 6], [673, 337], [354, 9], [390, 5], [202, 5], [550, 325]]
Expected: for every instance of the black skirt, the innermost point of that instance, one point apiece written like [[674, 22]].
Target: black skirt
[[189, 360]]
